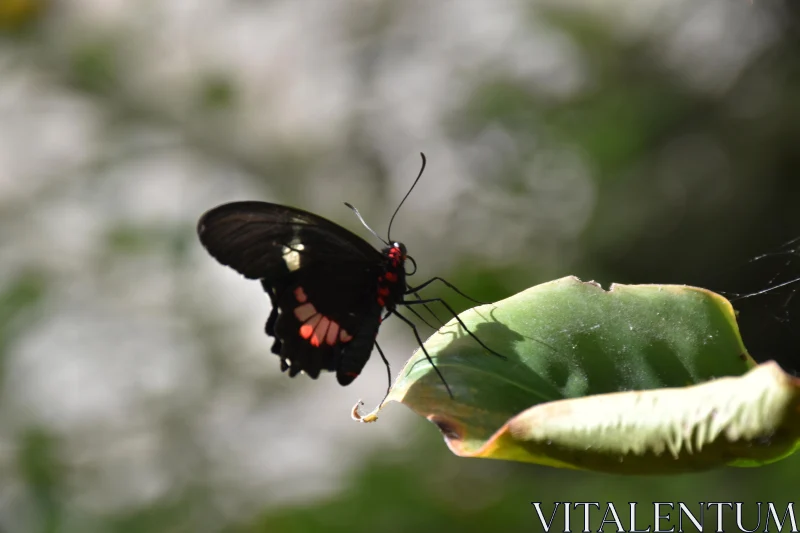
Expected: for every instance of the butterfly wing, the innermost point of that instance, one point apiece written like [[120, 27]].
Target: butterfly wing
[[310, 338], [321, 279], [261, 240]]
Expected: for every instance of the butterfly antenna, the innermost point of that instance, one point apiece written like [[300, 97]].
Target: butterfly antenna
[[365, 224], [389, 233]]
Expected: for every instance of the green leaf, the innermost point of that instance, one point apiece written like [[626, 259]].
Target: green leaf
[[570, 346]]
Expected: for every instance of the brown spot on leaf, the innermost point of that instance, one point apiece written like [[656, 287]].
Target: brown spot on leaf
[[449, 429]]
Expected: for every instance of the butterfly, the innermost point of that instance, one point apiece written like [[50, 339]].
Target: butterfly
[[330, 289]]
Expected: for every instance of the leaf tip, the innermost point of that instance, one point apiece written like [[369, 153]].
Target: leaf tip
[[356, 415]]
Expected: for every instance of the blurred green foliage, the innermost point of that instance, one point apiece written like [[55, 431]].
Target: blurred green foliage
[[95, 66], [43, 473], [427, 492], [216, 93]]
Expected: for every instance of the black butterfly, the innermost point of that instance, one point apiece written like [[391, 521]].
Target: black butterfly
[[329, 288]]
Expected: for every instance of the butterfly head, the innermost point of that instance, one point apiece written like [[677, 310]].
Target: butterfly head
[[396, 253]]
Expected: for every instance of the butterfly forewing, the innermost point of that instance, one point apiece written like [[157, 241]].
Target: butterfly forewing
[[255, 238]]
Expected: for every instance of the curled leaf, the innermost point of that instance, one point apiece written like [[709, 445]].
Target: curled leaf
[[744, 421]]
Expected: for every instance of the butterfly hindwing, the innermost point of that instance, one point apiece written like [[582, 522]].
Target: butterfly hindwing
[[326, 314], [309, 340]]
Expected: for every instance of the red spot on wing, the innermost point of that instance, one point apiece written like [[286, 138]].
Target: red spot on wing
[[383, 291], [320, 332], [333, 334], [320, 329], [300, 294], [391, 276], [351, 374], [307, 329], [305, 311], [381, 301]]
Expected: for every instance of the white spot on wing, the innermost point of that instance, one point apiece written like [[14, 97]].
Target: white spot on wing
[[291, 255]]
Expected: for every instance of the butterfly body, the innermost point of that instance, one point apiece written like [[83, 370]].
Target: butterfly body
[[328, 287]]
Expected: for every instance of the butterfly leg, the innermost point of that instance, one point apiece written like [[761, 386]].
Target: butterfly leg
[[427, 307], [423, 318], [411, 290], [422, 345], [452, 312], [388, 370]]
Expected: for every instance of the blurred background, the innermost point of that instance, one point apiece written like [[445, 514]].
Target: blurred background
[[620, 141]]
